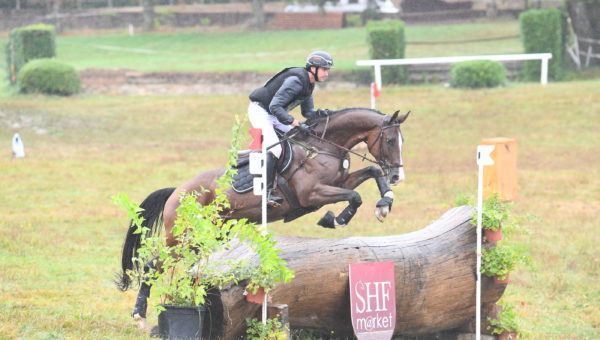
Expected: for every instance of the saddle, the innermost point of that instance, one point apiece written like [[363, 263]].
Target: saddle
[[243, 180]]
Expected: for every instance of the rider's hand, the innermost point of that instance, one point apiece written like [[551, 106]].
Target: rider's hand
[[295, 123], [304, 129], [323, 112]]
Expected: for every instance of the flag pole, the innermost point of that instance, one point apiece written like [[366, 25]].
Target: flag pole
[[483, 158]]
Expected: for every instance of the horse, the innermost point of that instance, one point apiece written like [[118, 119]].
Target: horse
[[319, 175]]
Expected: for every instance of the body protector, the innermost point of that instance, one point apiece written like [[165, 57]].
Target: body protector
[[286, 90]]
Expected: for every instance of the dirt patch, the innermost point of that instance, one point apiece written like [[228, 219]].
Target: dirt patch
[[132, 82]]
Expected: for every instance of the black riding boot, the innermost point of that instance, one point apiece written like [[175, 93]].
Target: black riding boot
[[272, 201]]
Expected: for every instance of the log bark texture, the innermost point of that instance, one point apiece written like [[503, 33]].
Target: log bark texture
[[435, 273]]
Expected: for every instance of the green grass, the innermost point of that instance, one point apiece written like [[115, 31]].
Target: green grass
[[60, 235], [271, 50]]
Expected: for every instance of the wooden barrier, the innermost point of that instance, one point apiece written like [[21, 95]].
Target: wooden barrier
[[434, 273]]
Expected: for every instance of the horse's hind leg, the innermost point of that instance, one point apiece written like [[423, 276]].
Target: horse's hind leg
[[141, 302], [327, 195]]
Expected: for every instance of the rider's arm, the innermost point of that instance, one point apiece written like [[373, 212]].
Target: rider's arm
[[287, 93], [308, 108]]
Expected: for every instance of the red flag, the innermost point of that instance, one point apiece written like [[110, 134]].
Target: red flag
[[375, 90], [256, 139]]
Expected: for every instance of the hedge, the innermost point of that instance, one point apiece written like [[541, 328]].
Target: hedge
[[386, 41], [478, 73], [542, 32], [28, 43], [48, 76]]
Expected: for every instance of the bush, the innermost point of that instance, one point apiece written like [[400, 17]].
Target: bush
[[28, 43], [48, 76], [542, 32], [386, 40], [478, 73]]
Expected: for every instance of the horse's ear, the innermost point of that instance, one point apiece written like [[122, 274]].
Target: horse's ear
[[402, 118], [392, 119]]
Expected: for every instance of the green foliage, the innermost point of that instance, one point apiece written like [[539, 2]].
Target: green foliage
[[386, 41], [28, 43], [48, 76], [185, 273], [271, 330], [507, 320], [542, 32], [478, 73], [502, 259]]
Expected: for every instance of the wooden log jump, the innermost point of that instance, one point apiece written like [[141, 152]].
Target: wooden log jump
[[434, 273]]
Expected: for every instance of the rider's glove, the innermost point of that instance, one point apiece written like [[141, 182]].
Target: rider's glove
[[304, 129], [323, 112]]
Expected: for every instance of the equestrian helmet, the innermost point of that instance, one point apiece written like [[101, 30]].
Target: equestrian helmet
[[319, 59]]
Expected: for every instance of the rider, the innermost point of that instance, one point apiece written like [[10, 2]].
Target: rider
[[270, 105]]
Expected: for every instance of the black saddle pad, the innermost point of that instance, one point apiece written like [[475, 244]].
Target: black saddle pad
[[243, 181]]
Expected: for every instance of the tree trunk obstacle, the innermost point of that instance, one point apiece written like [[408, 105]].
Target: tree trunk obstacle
[[435, 274]]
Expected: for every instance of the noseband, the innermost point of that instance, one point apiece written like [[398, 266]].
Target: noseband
[[384, 164]]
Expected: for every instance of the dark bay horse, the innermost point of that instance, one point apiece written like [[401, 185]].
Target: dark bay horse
[[319, 175]]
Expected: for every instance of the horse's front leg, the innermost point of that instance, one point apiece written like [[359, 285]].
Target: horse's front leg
[[384, 205], [325, 194]]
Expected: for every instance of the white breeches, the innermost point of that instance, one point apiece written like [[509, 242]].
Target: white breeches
[[261, 119]]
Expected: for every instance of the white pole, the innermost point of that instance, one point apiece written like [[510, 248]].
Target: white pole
[[483, 158], [544, 72], [378, 75], [264, 215], [478, 290]]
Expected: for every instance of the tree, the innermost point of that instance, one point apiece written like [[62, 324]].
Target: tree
[[584, 15], [258, 14], [148, 13]]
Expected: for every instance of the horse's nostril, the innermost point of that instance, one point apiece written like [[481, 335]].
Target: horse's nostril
[[395, 178]]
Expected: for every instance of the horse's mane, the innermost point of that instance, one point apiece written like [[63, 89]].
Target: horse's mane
[[342, 111]]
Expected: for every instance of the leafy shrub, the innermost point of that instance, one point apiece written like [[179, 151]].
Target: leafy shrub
[[542, 32], [48, 76], [28, 43], [478, 73], [506, 321], [386, 41], [501, 260]]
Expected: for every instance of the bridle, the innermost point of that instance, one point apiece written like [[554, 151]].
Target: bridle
[[383, 164]]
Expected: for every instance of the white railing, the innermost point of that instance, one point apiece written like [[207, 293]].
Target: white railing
[[377, 63]]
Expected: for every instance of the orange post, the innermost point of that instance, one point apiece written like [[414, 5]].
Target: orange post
[[502, 176]]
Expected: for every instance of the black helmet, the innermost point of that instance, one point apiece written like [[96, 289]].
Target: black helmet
[[319, 59]]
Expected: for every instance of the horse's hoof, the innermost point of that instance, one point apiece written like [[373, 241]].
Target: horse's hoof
[[381, 213], [142, 324], [327, 221]]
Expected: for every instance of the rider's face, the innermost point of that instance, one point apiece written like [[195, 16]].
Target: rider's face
[[323, 73]]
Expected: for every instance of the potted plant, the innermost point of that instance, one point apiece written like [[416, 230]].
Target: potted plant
[[495, 213], [271, 330], [505, 325], [498, 262], [184, 272]]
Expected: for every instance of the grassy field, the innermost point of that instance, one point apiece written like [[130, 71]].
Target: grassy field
[[269, 51], [60, 234]]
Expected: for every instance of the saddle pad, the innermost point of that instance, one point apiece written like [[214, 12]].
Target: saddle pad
[[243, 181]]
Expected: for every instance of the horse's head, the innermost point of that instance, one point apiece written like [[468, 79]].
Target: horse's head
[[385, 144]]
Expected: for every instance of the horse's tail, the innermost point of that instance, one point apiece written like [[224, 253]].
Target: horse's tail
[[152, 207]]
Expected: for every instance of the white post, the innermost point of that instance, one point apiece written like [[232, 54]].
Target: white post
[[483, 158], [378, 75], [544, 72], [264, 215]]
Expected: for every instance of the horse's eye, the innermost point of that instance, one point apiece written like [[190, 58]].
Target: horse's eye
[[390, 141]]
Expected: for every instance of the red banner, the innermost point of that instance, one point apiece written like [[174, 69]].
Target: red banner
[[375, 90], [373, 300], [256, 143]]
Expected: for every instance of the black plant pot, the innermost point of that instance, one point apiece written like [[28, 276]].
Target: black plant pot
[[181, 322]]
